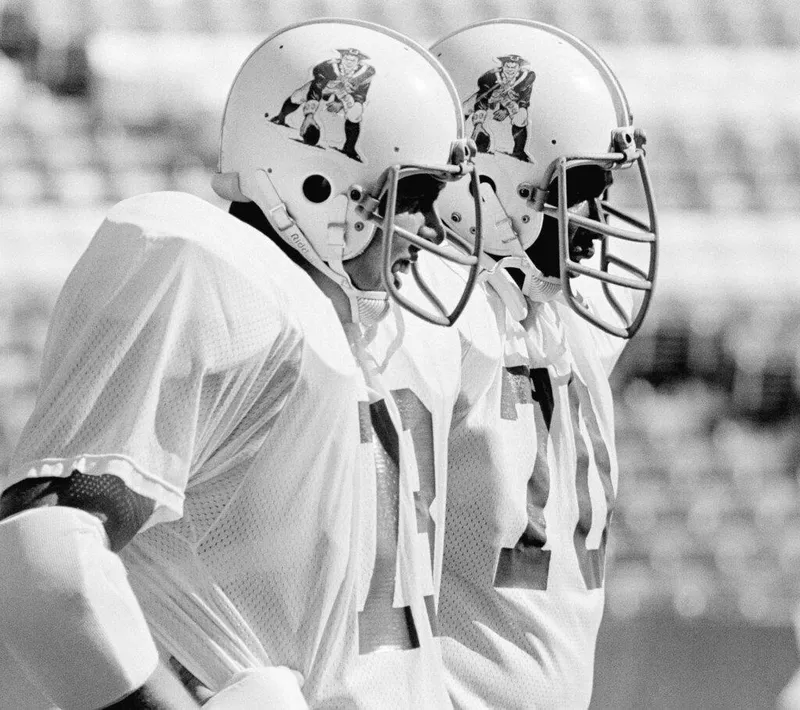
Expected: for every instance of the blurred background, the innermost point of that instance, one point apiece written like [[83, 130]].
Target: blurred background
[[104, 99]]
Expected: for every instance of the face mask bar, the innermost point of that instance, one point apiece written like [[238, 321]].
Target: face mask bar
[[440, 315], [646, 233]]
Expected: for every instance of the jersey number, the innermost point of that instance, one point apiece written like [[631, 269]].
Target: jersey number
[[381, 624], [527, 564]]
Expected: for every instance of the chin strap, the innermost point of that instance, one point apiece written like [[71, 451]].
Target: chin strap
[[337, 225], [365, 306], [503, 285], [497, 218], [537, 287]]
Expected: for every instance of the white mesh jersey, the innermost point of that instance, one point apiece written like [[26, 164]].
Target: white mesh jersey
[[413, 372], [188, 356], [532, 482]]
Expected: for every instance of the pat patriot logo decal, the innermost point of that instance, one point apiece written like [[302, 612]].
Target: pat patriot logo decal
[[339, 87]]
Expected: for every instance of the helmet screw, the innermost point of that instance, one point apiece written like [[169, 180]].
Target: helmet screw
[[524, 192], [456, 217], [359, 226], [472, 230], [526, 218]]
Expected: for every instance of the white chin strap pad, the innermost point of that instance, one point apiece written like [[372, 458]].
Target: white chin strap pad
[[67, 612], [539, 288], [372, 306]]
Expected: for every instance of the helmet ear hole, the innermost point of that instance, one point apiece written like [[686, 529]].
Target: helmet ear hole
[[317, 188], [484, 180]]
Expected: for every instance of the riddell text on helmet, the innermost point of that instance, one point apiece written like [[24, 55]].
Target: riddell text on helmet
[[299, 243]]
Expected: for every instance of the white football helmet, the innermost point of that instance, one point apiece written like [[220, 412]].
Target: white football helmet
[[323, 120], [539, 102]]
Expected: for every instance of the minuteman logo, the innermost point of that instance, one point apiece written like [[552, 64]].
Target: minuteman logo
[[501, 102], [338, 87]]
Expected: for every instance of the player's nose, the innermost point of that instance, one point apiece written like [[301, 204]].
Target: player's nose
[[433, 228]]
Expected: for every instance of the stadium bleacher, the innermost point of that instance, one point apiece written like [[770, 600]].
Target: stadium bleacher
[[708, 395]]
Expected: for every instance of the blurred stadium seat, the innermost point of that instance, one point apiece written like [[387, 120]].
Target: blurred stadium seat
[[103, 99], [158, 70]]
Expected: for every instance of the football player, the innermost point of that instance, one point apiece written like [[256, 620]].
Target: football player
[[277, 502], [529, 504]]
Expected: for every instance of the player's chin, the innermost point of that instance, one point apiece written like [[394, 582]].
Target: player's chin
[[582, 249], [576, 257], [401, 268]]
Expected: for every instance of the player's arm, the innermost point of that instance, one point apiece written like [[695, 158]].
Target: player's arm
[[486, 84], [362, 86], [525, 88], [66, 608], [321, 75]]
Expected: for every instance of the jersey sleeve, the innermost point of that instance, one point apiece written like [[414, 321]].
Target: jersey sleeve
[[161, 363]]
